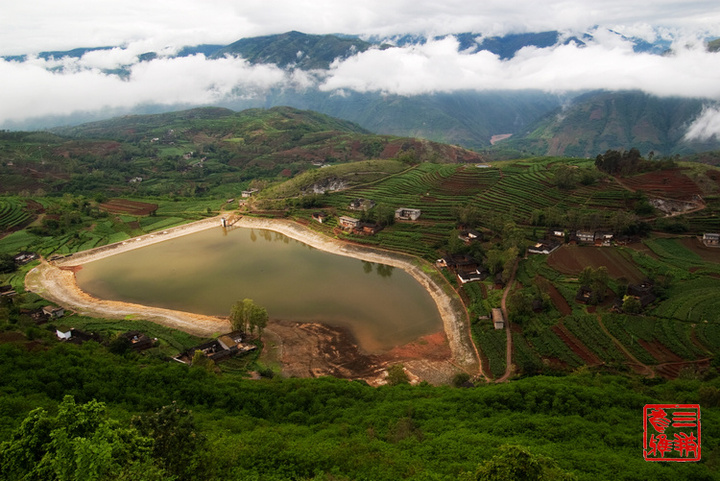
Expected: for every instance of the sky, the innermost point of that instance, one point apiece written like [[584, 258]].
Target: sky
[[39, 88]]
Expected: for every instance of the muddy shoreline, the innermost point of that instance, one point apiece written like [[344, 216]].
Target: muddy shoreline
[[56, 282]]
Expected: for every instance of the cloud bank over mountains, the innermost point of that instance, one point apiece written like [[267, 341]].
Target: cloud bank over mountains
[[116, 79]]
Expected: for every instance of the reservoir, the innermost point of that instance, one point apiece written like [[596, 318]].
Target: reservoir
[[208, 271]]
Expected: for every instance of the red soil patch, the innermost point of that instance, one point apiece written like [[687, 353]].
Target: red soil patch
[[573, 259], [71, 268], [130, 207], [561, 304], [576, 345], [433, 347], [661, 353], [664, 183]]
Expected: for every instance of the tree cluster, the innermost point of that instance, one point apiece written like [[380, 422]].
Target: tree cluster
[[247, 316], [628, 162]]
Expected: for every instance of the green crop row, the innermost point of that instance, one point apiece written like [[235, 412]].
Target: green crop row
[[493, 344], [628, 330], [588, 330], [551, 347]]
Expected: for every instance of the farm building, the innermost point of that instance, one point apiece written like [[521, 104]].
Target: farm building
[[249, 192], [711, 239], [348, 222], [407, 214], [498, 318]]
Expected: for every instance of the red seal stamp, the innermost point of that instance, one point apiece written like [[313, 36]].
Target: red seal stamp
[[671, 432]]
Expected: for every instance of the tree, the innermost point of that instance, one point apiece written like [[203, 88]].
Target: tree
[[566, 177], [397, 375], [79, 443], [516, 463], [177, 442], [631, 305], [246, 316], [7, 263]]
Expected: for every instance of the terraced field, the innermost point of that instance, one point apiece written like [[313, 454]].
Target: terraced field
[[12, 213]]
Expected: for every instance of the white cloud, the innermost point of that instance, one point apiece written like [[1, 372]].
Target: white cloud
[[42, 25], [706, 126], [30, 90], [607, 63]]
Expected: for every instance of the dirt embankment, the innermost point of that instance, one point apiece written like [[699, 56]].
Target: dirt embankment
[[306, 349]]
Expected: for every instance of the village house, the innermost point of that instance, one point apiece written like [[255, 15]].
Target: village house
[[361, 204], [603, 238], [556, 233], [249, 193], [585, 236], [7, 291], [349, 223], [63, 332], [498, 318], [471, 276], [223, 347], [138, 340], [407, 214], [584, 294], [711, 239], [367, 229], [545, 247], [642, 292], [25, 257], [469, 236], [53, 312], [75, 336], [320, 216]]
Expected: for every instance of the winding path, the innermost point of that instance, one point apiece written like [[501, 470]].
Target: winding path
[[503, 306]]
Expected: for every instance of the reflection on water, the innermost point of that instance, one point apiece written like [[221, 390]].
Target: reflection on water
[[208, 271]]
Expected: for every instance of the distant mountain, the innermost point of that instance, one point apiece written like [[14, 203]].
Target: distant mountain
[[540, 122], [468, 118], [294, 49], [598, 121]]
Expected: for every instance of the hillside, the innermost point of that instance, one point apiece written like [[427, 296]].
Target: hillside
[[598, 121], [200, 151], [294, 49]]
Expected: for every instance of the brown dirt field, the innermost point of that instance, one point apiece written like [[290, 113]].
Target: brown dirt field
[[561, 304], [315, 350], [661, 353], [672, 370], [576, 345], [640, 247], [573, 259], [664, 183], [709, 254], [130, 207]]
